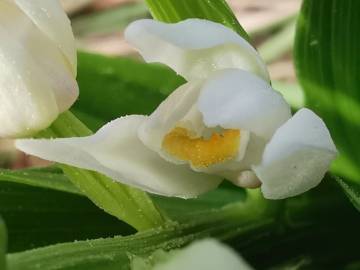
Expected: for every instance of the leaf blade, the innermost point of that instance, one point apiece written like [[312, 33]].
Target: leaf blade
[[328, 63], [50, 178], [172, 11], [38, 217]]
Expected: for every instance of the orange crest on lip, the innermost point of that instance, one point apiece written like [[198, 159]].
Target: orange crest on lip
[[201, 152]]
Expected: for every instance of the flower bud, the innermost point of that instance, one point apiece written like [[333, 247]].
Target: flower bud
[[37, 65]]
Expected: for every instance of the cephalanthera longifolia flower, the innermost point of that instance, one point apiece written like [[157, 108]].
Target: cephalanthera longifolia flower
[[37, 65], [225, 122]]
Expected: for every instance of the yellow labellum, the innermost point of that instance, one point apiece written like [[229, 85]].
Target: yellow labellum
[[202, 152]]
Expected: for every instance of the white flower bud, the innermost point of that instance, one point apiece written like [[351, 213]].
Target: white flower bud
[[37, 65], [206, 254]]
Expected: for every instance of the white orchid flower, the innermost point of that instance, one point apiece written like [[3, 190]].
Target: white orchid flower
[[207, 254], [37, 65], [226, 122]]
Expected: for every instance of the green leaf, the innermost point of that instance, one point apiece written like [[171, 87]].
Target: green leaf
[[3, 244], [328, 66], [112, 87], [129, 204], [172, 11], [38, 217], [352, 190], [184, 210], [51, 178]]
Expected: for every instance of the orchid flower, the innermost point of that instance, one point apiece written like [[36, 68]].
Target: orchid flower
[[207, 254], [225, 122], [37, 65]]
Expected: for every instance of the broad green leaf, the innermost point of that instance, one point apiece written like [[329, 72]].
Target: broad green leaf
[[352, 190], [184, 210], [111, 87], [38, 217], [128, 204], [3, 244], [328, 66], [51, 178], [172, 11]]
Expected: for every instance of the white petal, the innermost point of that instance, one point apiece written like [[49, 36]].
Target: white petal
[[116, 151], [51, 19], [35, 83], [240, 100], [168, 113], [297, 157], [194, 48], [206, 254]]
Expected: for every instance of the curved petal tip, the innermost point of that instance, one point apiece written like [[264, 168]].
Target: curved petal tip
[[297, 157]]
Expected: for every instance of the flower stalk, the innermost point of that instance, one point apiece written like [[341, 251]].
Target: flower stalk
[[128, 204]]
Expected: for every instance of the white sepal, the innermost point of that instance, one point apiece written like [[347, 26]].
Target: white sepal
[[194, 48], [116, 151]]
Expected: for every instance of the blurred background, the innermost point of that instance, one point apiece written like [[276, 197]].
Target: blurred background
[[98, 27]]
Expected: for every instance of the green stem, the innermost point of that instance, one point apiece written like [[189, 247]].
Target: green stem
[[131, 205]]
